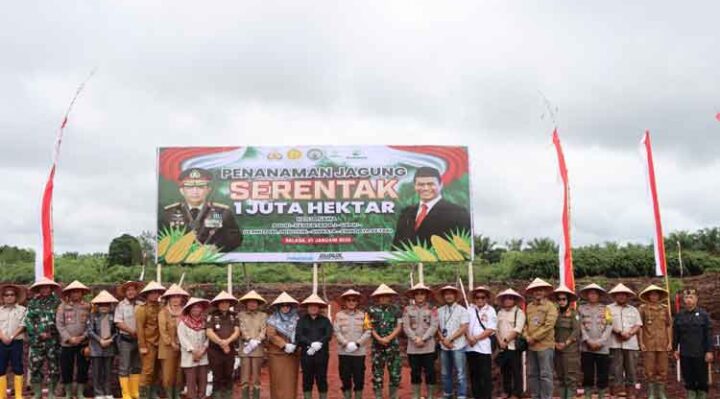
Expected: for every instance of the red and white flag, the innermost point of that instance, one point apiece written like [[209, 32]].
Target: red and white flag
[[44, 261], [567, 274], [658, 240]]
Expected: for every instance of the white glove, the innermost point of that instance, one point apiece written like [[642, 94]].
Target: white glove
[[311, 351], [316, 346], [248, 348], [290, 348], [351, 347], [255, 343]]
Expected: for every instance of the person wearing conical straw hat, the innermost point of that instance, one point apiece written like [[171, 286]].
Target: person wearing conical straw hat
[[148, 336], [540, 335], [223, 330], [352, 342], [194, 346], [420, 323], [692, 343], [12, 336], [129, 368], [452, 326], [71, 318], [655, 339], [43, 336], [283, 356], [102, 333], [596, 322], [511, 323], [169, 345], [252, 335], [314, 332], [624, 346], [567, 336], [482, 325], [384, 320]]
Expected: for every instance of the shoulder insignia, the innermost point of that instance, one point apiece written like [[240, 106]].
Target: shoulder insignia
[[172, 205]]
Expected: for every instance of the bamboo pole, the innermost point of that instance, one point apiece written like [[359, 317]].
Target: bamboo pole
[[471, 276], [315, 279], [158, 275], [667, 288], [421, 274], [182, 279], [229, 278]]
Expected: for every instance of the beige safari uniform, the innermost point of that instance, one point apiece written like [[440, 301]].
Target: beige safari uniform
[[252, 326], [540, 325], [655, 341], [350, 327]]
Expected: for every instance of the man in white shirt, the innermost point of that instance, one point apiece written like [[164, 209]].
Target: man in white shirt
[[481, 327], [452, 326], [624, 346]]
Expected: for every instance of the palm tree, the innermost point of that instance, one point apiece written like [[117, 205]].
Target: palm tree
[[542, 245], [515, 244]]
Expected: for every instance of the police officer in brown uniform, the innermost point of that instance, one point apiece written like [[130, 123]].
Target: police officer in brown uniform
[[70, 320], [655, 339], [148, 335], [212, 222], [223, 331]]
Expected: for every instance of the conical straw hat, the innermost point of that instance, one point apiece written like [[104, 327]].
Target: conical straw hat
[[652, 287], [152, 286], [590, 287], [223, 296], [175, 290], [194, 301], [481, 288], [284, 298], [416, 288], [313, 299], [124, 286], [75, 285], [104, 297], [44, 281], [621, 289], [253, 296], [20, 292], [538, 284], [563, 289], [383, 290], [508, 292], [350, 293]]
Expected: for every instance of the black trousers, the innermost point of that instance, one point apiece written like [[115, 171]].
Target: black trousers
[[72, 362], [480, 371], [511, 371], [595, 364], [352, 372], [694, 373], [11, 355], [422, 364], [314, 369], [221, 364], [101, 369]]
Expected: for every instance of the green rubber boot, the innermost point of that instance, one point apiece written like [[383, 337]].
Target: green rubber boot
[[322, 395], [359, 394], [415, 391], [68, 391], [143, 392], [588, 393], [601, 393], [307, 394], [51, 390], [80, 393], [347, 394], [691, 394], [393, 393], [378, 394], [701, 395], [256, 393], [152, 392], [660, 389], [37, 390]]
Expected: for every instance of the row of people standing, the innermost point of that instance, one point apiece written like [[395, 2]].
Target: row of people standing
[[174, 344]]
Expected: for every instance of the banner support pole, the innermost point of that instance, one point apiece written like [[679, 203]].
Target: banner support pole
[[229, 278], [158, 275]]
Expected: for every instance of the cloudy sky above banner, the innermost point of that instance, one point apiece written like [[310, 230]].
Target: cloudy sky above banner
[[407, 72]]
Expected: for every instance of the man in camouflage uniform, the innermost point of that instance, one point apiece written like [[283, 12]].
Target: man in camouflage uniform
[[43, 336], [385, 323], [567, 336]]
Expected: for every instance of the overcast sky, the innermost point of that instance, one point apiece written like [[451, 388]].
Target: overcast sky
[[385, 72]]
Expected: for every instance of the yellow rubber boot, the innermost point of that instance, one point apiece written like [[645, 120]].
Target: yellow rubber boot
[[135, 386], [18, 387], [3, 387], [125, 387]]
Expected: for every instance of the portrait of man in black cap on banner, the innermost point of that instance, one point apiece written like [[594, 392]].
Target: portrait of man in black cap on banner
[[433, 215], [213, 223]]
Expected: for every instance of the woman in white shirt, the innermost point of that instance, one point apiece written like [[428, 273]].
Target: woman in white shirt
[[193, 347]]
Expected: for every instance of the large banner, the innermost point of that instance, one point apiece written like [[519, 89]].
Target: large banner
[[313, 204]]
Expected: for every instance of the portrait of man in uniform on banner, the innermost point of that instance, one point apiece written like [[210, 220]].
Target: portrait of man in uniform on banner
[[213, 223]]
